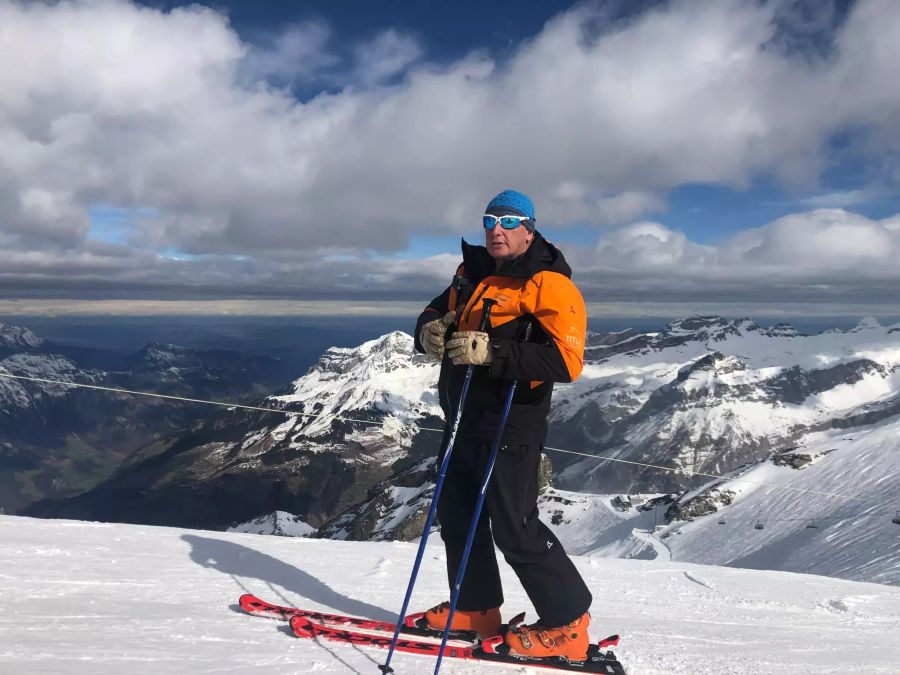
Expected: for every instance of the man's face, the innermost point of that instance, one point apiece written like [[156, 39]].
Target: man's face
[[507, 244]]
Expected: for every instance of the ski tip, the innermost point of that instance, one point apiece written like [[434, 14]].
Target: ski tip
[[248, 602], [302, 626]]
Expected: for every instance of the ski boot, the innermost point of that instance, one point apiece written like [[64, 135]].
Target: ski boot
[[485, 622], [538, 641]]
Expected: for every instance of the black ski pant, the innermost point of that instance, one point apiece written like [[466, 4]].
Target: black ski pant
[[549, 577]]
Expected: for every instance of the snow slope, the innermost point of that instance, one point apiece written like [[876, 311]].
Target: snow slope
[[832, 516], [853, 537], [102, 598], [589, 525]]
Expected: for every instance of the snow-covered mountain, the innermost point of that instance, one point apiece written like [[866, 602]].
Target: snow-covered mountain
[[20, 397], [279, 524], [382, 380], [396, 508], [346, 425], [708, 394], [101, 599], [825, 507], [18, 337]]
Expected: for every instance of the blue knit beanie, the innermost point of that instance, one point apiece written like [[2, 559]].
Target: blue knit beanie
[[512, 203]]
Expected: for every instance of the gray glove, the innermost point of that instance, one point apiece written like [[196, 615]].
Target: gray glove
[[470, 348], [432, 336]]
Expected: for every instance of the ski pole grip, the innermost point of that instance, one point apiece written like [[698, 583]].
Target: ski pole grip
[[488, 304]]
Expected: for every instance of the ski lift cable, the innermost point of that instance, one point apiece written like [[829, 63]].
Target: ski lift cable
[[709, 475], [241, 406]]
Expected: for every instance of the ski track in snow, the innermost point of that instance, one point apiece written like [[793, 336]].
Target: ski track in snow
[[82, 598]]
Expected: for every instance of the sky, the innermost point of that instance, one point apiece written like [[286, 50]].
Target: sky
[[683, 154]]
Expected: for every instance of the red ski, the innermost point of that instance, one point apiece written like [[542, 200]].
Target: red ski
[[253, 605], [492, 650]]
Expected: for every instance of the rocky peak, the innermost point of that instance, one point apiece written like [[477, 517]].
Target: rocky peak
[[161, 353], [867, 323], [380, 353], [782, 330], [703, 328], [594, 339], [715, 362], [18, 337], [382, 378], [277, 523]]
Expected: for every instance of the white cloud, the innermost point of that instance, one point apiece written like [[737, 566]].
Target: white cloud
[[299, 53], [816, 256], [389, 54], [825, 240], [840, 198], [574, 203], [44, 214], [648, 245], [105, 102]]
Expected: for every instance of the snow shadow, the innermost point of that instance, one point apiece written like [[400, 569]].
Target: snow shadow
[[242, 562]]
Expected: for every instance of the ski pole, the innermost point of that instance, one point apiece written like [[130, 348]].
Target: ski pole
[[498, 436], [488, 303]]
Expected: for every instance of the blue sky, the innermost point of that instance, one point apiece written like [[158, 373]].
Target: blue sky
[[704, 155], [447, 30]]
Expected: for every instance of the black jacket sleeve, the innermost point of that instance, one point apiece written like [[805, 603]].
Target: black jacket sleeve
[[528, 361]]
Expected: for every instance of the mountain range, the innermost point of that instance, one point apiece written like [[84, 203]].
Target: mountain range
[[57, 441], [349, 447]]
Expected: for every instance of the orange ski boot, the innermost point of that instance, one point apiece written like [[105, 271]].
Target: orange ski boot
[[538, 641], [485, 622]]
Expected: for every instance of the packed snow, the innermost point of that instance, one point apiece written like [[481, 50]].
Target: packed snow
[[89, 598]]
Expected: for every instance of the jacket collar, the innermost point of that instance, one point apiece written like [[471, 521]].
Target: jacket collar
[[540, 256]]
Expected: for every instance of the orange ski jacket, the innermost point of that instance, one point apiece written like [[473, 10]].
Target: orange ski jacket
[[534, 290]]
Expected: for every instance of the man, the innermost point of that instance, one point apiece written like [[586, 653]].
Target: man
[[536, 337]]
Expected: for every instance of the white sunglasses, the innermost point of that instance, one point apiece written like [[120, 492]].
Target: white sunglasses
[[506, 222]]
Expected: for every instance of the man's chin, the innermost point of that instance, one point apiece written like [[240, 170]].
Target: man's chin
[[499, 252]]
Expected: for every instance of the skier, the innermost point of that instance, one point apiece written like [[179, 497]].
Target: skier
[[536, 337]]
